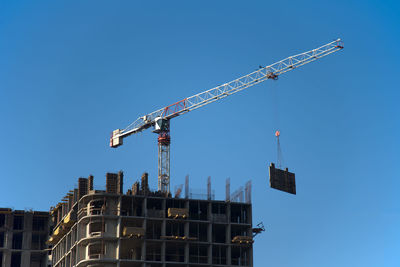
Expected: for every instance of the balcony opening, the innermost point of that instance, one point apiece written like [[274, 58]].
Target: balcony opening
[[153, 251], [131, 249], [198, 253], [219, 255], [38, 242], [1, 240], [175, 203], [153, 229], [175, 252], [218, 208], [39, 223], [198, 210], [239, 230], [97, 207], [175, 229], [96, 228], [154, 208], [239, 213], [218, 211], [18, 223], [199, 231], [219, 233], [17, 241], [132, 206], [240, 256], [37, 260], [96, 250], [2, 220], [16, 259]]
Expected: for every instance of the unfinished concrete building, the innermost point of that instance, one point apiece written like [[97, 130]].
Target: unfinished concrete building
[[143, 228], [23, 236]]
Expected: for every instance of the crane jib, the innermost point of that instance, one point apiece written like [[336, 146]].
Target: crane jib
[[226, 89]]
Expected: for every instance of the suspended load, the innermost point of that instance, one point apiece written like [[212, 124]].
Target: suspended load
[[282, 179]]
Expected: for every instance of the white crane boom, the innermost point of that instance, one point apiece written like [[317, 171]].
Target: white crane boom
[[160, 118], [226, 89]]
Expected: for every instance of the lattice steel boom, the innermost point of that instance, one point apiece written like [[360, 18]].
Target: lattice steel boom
[[159, 119]]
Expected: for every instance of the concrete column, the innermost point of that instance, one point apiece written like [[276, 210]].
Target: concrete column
[[26, 240], [6, 258], [144, 207], [87, 252], [46, 260], [209, 224], [143, 248], [163, 251], [209, 212], [77, 255], [250, 234], [9, 233], [117, 250], [8, 239], [228, 234], [186, 231], [187, 253], [209, 261], [118, 234], [164, 206], [28, 217], [27, 234], [9, 221], [78, 237], [144, 211], [25, 258], [163, 229], [250, 215], [209, 232]]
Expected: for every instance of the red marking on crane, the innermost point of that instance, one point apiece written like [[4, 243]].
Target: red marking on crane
[[174, 109], [277, 133], [164, 138], [340, 44]]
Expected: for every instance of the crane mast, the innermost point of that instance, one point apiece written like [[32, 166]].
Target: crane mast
[[160, 119]]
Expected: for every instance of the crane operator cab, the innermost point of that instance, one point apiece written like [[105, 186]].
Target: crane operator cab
[[161, 125]]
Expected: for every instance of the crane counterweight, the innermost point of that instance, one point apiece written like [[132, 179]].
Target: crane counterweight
[[116, 140]]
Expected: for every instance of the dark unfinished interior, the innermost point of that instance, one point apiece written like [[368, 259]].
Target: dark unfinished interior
[[23, 236]]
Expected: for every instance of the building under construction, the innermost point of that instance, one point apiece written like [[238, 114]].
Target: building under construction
[[146, 228], [23, 236]]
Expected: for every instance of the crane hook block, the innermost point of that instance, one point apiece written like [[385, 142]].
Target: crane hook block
[[116, 139]]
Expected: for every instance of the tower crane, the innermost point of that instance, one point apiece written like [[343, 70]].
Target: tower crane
[[160, 119]]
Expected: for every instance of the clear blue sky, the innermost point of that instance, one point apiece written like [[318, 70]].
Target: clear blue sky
[[73, 71]]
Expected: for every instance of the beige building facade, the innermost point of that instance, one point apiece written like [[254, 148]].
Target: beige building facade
[[143, 228]]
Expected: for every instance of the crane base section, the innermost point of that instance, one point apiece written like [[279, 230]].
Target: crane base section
[[282, 179]]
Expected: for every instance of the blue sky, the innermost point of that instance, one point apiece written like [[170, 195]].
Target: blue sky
[[73, 71]]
